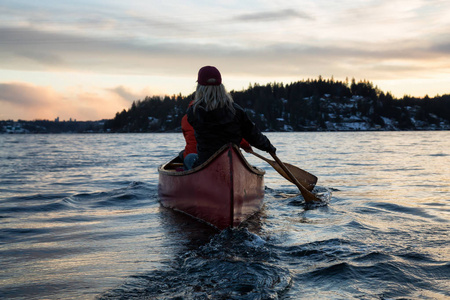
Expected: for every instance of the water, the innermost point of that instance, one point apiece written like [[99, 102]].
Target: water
[[80, 219]]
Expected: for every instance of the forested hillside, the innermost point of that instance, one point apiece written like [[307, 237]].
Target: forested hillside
[[301, 106]]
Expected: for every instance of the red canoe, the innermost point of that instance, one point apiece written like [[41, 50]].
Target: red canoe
[[224, 191]]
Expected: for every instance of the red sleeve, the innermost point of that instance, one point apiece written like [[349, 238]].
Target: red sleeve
[[189, 136]]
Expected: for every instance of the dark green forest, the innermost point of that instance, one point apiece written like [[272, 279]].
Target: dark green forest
[[308, 105]]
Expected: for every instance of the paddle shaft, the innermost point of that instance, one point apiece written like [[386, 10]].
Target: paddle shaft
[[307, 195], [262, 157]]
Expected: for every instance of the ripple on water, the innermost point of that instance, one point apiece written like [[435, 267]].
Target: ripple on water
[[235, 264]]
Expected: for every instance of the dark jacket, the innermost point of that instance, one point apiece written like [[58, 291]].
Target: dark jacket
[[218, 127]]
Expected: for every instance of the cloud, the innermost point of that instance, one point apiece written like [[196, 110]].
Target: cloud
[[124, 93], [26, 101], [442, 47], [59, 51], [171, 66], [128, 94], [42, 58], [24, 95], [162, 45], [269, 16]]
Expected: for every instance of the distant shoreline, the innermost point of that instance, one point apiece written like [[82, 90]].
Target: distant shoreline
[[175, 131]]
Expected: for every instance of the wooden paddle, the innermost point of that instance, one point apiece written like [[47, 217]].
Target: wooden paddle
[[307, 195], [306, 179]]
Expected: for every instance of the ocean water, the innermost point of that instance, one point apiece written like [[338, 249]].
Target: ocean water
[[80, 219]]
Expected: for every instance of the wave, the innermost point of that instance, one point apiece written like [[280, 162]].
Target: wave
[[235, 264]]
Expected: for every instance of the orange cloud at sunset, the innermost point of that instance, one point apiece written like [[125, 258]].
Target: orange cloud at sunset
[[29, 102]]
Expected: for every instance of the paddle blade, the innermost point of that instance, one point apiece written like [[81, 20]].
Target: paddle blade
[[307, 195], [304, 178], [308, 180]]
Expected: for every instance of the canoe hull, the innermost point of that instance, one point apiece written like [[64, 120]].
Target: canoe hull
[[223, 192]]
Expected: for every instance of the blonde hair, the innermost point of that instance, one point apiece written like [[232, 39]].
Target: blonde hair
[[212, 97]]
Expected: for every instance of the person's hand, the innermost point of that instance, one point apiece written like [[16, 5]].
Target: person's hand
[[247, 149], [272, 149], [246, 146]]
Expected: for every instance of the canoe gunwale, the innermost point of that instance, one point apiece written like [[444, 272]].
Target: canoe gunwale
[[163, 168]]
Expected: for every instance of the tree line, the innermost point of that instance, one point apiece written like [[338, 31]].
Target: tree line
[[311, 104]]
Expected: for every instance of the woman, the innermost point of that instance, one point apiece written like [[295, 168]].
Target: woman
[[189, 153], [217, 120]]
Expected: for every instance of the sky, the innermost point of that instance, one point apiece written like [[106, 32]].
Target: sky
[[88, 60]]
